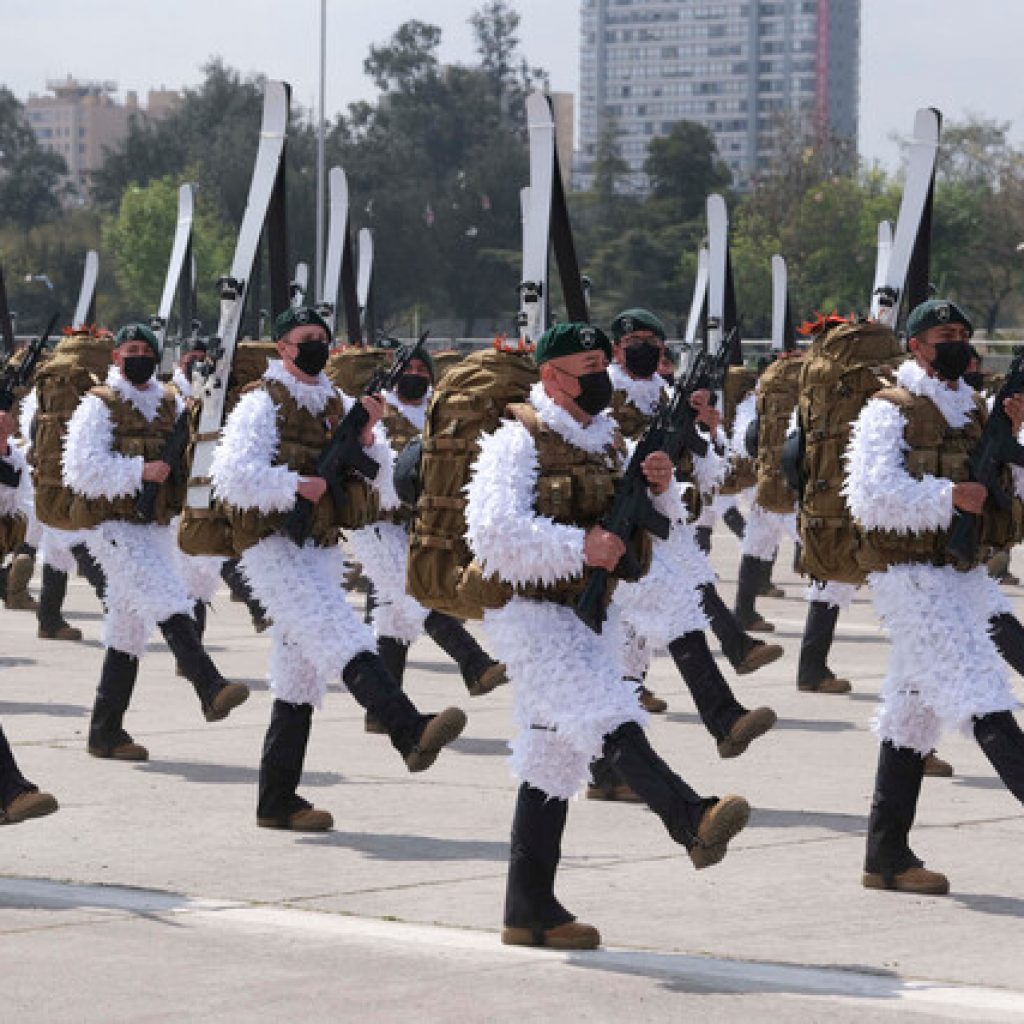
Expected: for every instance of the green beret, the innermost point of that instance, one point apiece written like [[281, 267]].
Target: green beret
[[138, 332], [424, 356], [936, 313], [630, 320], [298, 316], [568, 340]]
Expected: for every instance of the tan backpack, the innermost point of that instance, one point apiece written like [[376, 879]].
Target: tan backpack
[[79, 362], [739, 382], [844, 367], [470, 400], [351, 367], [207, 531]]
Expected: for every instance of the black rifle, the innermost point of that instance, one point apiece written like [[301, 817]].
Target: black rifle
[[13, 378], [6, 323], [996, 448], [174, 455], [673, 430], [344, 451], [718, 364]]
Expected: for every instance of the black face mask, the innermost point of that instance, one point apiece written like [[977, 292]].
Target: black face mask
[[642, 359], [595, 392], [951, 359], [411, 387], [312, 357], [138, 369], [975, 379]]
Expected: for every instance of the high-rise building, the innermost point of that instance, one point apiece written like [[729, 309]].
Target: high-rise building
[[746, 69], [81, 120]]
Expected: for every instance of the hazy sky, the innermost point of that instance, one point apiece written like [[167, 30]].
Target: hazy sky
[[959, 56]]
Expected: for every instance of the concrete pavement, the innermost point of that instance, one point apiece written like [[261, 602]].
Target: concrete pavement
[[151, 895]]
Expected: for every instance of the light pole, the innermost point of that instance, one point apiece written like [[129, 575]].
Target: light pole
[[321, 162]]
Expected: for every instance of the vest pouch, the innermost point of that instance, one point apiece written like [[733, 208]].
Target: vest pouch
[[921, 462], [477, 592], [205, 531], [953, 466], [554, 497], [12, 534], [831, 551]]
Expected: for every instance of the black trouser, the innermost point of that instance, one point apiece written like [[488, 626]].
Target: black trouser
[[451, 635], [12, 782], [182, 636], [90, 569], [893, 806], [1001, 739], [284, 753], [52, 592], [716, 703], [376, 691], [735, 642], [113, 695]]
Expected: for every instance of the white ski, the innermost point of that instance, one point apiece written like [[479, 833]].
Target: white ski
[[883, 251], [718, 255], [364, 275], [533, 291], [88, 290], [181, 250], [780, 303], [299, 285], [700, 297], [337, 226], [233, 290], [885, 303]]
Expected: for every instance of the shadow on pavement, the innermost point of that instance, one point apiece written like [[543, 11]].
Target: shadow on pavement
[[979, 781], [15, 662], [834, 821], [481, 745], [410, 848], [229, 774], [1002, 906], [792, 724]]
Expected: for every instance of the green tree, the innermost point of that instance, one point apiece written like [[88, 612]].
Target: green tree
[[684, 167]]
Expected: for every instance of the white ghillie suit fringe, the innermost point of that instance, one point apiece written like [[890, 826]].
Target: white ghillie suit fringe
[[944, 668], [568, 688], [315, 633], [746, 413], [200, 573], [834, 594], [16, 500], [764, 531], [143, 586], [26, 488], [382, 550]]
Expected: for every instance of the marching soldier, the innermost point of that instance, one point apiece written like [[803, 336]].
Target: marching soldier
[[266, 459], [537, 493], [115, 441], [907, 476]]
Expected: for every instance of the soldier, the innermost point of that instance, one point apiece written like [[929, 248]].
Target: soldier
[[907, 475], [537, 493], [381, 549], [680, 624], [265, 460], [114, 444]]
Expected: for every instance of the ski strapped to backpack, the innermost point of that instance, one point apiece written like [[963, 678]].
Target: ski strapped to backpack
[[178, 280], [204, 529], [85, 308]]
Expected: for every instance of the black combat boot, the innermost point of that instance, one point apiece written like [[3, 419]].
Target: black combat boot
[[702, 534], [750, 575], [218, 696], [393, 653], [12, 782], [890, 863], [745, 654], [733, 518], [480, 672], [284, 752], [418, 738], [813, 674], [52, 625], [533, 916], [733, 727], [703, 826], [107, 735], [90, 570], [767, 588], [1000, 737], [19, 798], [1008, 635], [242, 593]]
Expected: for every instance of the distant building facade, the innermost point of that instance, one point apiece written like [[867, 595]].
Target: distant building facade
[[739, 67], [79, 120]]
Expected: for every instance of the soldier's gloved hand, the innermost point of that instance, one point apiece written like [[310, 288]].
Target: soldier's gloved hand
[[601, 549], [155, 472], [969, 497], [1014, 406], [657, 469], [707, 414], [311, 488], [375, 410]]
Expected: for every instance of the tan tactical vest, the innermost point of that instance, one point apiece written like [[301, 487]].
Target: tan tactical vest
[[937, 449], [777, 397], [400, 430], [739, 382], [134, 436], [574, 488], [302, 439]]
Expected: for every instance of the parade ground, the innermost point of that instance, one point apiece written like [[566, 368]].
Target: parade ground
[[152, 896]]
